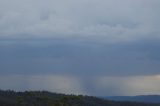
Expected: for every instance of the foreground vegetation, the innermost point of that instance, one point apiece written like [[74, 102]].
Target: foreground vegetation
[[44, 98]]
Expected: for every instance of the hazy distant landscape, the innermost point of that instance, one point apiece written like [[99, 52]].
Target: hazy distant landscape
[[140, 98]]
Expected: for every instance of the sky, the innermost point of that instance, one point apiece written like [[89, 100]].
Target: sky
[[90, 47]]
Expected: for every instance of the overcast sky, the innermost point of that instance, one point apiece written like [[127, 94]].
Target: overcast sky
[[93, 47]]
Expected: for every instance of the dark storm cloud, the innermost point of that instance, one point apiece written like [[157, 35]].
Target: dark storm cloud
[[79, 58]]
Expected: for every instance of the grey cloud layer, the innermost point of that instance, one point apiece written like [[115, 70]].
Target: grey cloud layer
[[108, 20]]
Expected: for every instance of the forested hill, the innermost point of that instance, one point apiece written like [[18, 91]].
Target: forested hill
[[44, 98]]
